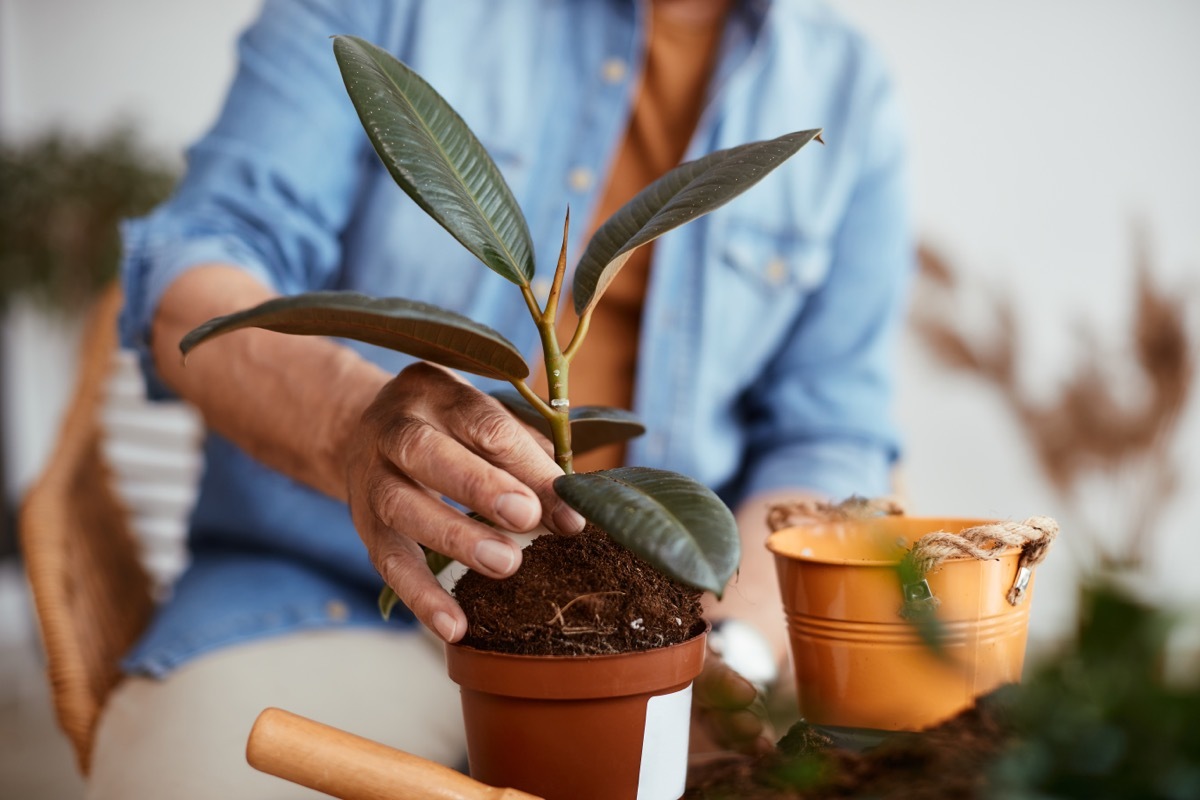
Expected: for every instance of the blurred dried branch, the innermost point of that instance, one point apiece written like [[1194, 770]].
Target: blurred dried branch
[[1097, 422]]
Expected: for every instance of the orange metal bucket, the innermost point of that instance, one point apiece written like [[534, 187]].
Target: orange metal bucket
[[858, 662]]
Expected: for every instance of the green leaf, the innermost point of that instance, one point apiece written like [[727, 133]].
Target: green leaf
[[435, 157], [591, 426], [388, 599], [418, 329], [436, 561], [685, 193], [679, 526], [387, 602]]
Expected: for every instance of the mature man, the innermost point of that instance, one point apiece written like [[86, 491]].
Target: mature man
[[755, 343]]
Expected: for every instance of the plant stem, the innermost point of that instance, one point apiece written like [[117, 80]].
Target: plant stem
[[580, 333], [529, 394], [560, 405], [558, 411], [551, 313]]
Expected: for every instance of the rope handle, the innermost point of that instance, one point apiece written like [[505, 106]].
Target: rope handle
[[1034, 536], [808, 511]]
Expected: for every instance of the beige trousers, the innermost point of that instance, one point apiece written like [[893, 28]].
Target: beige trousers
[[185, 737]]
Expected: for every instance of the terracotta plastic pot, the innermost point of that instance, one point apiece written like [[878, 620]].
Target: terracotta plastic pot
[[611, 727], [859, 663]]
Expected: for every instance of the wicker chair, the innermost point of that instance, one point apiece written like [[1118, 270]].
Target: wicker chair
[[92, 595]]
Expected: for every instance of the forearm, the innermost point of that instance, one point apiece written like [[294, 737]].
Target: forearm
[[726, 692], [290, 401], [753, 595]]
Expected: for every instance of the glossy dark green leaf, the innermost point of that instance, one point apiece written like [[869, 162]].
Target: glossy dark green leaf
[[388, 600], [591, 426], [418, 329], [681, 527], [435, 157], [689, 191], [436, 561]]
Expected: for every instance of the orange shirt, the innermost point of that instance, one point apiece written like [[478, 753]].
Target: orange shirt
[[671, 95]]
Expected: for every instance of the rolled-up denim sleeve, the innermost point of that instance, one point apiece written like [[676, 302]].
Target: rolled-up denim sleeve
[[821, 414], [270, 187]]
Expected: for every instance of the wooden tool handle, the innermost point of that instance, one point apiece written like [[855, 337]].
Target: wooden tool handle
[[353, 768]]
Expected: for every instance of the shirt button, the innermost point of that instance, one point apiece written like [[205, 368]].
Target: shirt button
[[613, 70], [541, 289], [580, 179], [337, 611], [776, 271]]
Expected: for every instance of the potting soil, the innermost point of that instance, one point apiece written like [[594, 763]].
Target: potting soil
[[582, 594], [947, 762]]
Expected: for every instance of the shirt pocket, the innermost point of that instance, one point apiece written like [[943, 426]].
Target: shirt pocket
[[774, 259], [762, 277]]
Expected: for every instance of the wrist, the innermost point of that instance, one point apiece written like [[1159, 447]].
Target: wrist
[[357, 382]]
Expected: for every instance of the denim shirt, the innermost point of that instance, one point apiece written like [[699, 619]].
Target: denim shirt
[[768, 330]]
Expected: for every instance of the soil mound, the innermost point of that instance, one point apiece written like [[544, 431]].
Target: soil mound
[[578, 595]]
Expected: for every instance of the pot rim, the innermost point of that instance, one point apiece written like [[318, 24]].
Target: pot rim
[[928, 524], [518, 657], [554, 676]]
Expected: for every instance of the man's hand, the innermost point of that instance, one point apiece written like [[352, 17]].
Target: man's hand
[[430, 434], [727, 712], [389, 446]]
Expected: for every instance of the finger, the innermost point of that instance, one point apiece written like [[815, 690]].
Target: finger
[[721, 687], [401, 508], [737, 730], [539, 437], [401, 564], [435, 460], [736, 726], [489, 430]]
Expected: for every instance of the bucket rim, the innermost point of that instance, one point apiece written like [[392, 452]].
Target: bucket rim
[[950, 524]]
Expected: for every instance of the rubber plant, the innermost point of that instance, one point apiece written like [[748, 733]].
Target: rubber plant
[[672, 521]]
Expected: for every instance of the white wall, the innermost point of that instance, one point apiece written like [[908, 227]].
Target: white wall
[[1042, 130], [85, 66]]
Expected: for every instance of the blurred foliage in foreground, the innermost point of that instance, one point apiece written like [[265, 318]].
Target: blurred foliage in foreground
[[1097, 721], [1101, 720]]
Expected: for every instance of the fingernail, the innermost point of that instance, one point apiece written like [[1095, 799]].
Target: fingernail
[[568, 520], [496, 556], [445, 625], [519, 511]]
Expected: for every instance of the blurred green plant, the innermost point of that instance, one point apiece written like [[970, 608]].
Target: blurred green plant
[[1101, 719], [61, 199]]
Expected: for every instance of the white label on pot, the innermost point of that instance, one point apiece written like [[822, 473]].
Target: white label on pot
[[663, 774]]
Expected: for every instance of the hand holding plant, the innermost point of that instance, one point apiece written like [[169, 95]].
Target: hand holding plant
[[430, 433], [425, 420]]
